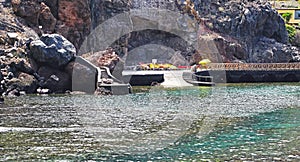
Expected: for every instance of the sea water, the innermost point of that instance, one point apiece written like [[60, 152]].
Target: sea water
[[245, 122]]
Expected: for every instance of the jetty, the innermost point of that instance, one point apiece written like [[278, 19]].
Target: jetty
[[244, 73], [213, 74], [165, 78]]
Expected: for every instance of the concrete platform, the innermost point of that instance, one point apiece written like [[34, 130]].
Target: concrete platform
[[166, 78], [116, 88]]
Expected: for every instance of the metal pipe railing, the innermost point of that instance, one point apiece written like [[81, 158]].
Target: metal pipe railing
[[253, 66]]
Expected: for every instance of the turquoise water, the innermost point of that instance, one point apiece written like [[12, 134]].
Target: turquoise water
[[246, 122]]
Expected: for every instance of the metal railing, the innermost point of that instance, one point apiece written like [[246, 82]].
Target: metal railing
[[254, 66]]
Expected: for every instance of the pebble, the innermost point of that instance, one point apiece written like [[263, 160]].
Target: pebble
[[10, 75], [54, 77], [22, 93], [2, 51], [3, 58], [43, 91], [277, 159], [10, 55], [292, 156]]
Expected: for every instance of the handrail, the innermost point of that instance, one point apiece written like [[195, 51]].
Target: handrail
[[110, 75], [253, 66], [87, 63]]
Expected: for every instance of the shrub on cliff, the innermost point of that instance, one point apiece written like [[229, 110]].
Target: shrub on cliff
[[287, 16], [291, 31]]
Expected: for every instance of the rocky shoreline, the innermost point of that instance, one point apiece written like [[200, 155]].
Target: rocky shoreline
[[39, 40]]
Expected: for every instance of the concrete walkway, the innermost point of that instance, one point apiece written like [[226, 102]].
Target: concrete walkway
[[173, 78]]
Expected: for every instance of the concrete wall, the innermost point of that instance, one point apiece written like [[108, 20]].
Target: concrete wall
[[244, 76]]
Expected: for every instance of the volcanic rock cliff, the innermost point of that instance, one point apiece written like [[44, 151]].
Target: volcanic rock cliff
[[179, 32], [247, 31]]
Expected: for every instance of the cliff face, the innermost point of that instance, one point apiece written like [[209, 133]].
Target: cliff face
[[240, 30], [256, 26], [244, 20], [179, 32]]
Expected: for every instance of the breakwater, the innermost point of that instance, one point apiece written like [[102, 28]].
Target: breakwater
[[250, 73]]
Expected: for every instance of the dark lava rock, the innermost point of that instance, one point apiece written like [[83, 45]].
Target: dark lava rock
[[29, 83], [102, 91], [56, 81], [29, 10], [24, 82], [46, 19], [268, 50], [53, 50]]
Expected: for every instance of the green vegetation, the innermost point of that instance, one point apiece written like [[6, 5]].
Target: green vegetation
[[294, 35], [287, 16], [291, 31]]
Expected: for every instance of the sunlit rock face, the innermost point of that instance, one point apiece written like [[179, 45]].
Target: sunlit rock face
[[244, 19], [74, 20], [255, 29], [160, 31], [244, 25], [239, 29]]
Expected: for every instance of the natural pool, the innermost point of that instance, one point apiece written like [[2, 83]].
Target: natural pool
[[234, 122]]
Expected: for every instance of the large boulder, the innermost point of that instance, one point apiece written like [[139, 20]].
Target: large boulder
[[230, 50], [252, 31], [53, 50]]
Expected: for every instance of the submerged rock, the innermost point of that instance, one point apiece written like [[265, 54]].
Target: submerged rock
[[53, 50]]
